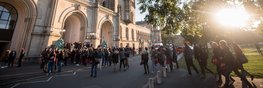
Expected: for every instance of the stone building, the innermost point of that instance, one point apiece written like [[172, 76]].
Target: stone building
[[155, 34], [36, 24]]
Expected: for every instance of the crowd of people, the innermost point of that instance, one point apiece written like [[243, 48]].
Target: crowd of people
[[53, 59], [9, 58], [227, 58]]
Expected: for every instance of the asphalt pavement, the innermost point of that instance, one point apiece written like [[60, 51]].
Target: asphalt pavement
[[72, 76]]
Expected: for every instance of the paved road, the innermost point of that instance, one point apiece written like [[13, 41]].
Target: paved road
[[77, 77]]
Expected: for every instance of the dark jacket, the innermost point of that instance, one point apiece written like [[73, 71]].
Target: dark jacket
[[145, 57]]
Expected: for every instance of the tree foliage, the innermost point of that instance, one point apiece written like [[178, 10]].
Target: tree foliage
[[192, 17]]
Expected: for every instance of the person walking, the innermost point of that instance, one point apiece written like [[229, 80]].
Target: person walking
[[21, 56], [11, 58], [216, 60], [188, 55], [169, 58], [229, 64], [144, 60], [122, 58], [240, 60], [201, 56]]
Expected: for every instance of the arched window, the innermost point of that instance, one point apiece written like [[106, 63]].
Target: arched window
[[8, 16]]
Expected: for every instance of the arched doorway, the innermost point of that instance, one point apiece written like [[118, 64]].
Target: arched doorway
[[8, 19], [106, 34], [74, 27]]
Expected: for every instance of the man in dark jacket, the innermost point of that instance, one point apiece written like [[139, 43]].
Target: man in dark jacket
[[145, 58], [188, 54]]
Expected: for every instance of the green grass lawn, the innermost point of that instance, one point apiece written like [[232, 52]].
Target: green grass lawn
[[254, 65]]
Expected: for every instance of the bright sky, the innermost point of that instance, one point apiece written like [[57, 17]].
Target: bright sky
[[138, 16]]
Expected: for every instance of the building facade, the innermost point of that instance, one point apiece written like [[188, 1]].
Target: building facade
[[37, 24], [155, 35]]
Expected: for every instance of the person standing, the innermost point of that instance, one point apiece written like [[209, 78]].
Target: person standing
[[22, 54], [175, 57], [60, 60], [188, 55], [122, 58], [115, 58], [154, 59], [144, 61], [52, 58], [94, 63], [11, 58], [161, 56], [169, 58]]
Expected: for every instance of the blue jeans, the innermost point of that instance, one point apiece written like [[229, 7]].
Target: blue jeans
[[50, 67], [93, 70], [59, 65]]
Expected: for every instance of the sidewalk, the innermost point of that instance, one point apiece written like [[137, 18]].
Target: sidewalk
[[181, 79]]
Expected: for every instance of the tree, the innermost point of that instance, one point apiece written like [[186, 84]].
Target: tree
[[193, 17]]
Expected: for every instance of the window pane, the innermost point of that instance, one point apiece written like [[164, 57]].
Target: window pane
[[3, 24], [5, 16]]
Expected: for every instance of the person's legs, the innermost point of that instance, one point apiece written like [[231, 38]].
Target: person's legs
[[12, 62], [50, 67], [153, 66], [176, 62], [194, 67], [59, 66], [188, 67], [219, 73], [95, 71], [121, 63], [227, 79], [243, 78], [92, 69], [171, 66], [147, 66], [144, 66]]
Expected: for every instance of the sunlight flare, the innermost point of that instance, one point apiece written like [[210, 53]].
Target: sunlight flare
[[233, 17]]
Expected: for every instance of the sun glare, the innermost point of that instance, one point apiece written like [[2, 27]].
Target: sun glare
[[232, 17]]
